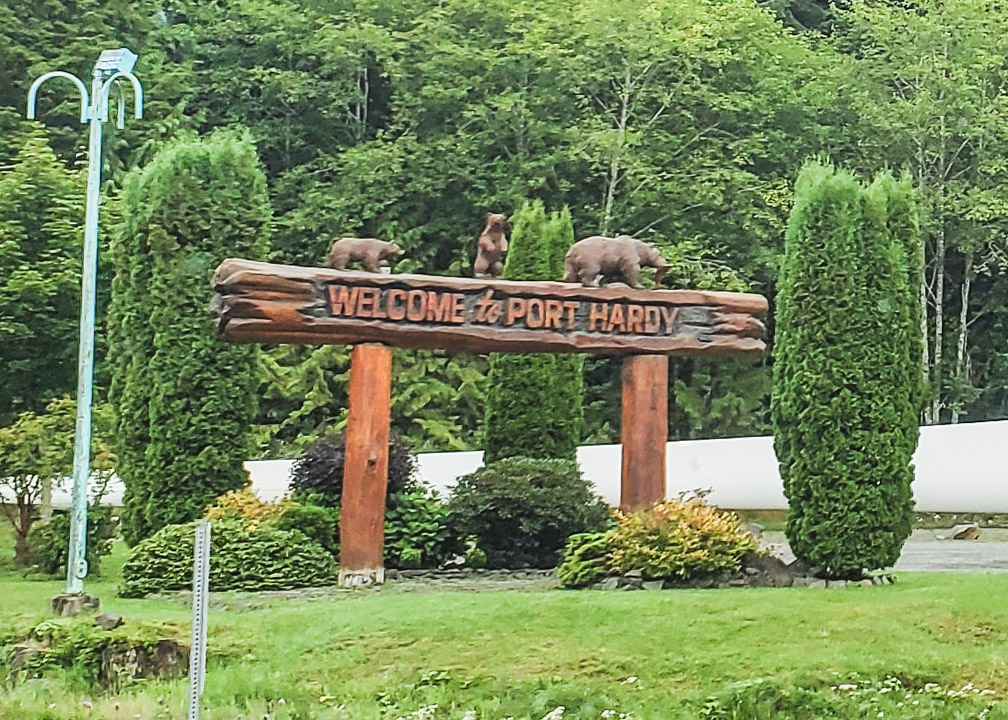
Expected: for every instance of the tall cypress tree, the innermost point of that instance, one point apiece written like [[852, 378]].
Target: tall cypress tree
[[533, 406], [186, 402], [847, 357]]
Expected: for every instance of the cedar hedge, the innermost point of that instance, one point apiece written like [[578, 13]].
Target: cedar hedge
[[847, 370]]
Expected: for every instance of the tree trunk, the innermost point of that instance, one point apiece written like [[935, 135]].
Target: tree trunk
[[21, 529], [614, 161], [926, 350], [45, 502], [961, 367]]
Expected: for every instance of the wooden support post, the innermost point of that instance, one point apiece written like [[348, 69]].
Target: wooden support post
[[644, 430], [365, 472]]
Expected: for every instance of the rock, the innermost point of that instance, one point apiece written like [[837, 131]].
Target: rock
[[165, 660], [610, 583], [737, 582], [877, 580], [73, 604], [800, 581], [833, 584], [763, 563], [755, 529], [653, 584], [817, 584], [634, 574], [865, 583], [109, 621], [970, 531], [632, 583]]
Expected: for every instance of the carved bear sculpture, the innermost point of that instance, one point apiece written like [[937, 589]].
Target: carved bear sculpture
[[367, 251], [490, 247], [617, 259]]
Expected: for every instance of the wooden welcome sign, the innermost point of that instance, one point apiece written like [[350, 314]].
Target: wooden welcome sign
[[265, 303], [260, 302]]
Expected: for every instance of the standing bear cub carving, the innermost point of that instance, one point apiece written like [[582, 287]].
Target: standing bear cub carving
[[490, 247], [367, 251], [617, 259]]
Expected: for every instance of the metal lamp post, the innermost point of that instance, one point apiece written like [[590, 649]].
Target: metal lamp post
[[112, 66]]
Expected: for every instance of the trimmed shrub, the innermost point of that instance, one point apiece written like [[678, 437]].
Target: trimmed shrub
[[534, 402], [522, 510], [264, 559], [49, 543], [417, 530], [679, 539], [317, 522], [847, 370], [585, 559], [185, 402], [317, 476]]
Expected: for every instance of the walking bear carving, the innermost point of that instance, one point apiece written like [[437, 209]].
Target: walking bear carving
[[490, 247], [367, 251], [617, 259]]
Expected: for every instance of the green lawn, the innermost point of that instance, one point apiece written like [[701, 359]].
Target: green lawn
[[521, 655]]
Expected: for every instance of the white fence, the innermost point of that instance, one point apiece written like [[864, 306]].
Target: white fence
[[960, 468]]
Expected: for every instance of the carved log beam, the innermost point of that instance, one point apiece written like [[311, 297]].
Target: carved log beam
[[265, 303]]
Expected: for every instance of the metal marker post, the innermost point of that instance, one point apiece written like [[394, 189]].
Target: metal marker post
[[200, 605], [112, 66]]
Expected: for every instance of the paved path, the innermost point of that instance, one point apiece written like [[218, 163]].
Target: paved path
[[925, 552]]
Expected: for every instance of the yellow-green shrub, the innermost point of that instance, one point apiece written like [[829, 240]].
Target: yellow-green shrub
[[677, 539], [245, 505]]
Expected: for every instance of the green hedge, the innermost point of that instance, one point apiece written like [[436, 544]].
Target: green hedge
[[185, 401], [266, 559], [847, 370], [522, 510], [534, 402]]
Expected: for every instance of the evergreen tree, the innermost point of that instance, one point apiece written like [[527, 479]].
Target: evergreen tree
[[186, 401], [41, 214], [847, 370], [533, 406]]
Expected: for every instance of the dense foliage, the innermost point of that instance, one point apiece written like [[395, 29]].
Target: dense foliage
[[681, 123], [522, 510], [41, 209], [49, 542], [533, 405], [185, 401], [680, 539], [418, 530], [317, 475], [847, 372], [265, 558]]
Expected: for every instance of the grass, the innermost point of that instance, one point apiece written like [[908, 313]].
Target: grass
[[745, 653]]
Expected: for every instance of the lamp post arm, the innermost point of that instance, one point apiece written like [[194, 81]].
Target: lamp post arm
[[33, 91], [106, 89]]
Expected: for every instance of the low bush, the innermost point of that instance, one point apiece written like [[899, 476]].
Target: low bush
[[522, 510], [49, 543], [417, 530], [317, 522], [266, 558], [317, 476], [673, 540]]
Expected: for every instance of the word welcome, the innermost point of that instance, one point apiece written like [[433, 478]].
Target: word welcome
[[488, 309]]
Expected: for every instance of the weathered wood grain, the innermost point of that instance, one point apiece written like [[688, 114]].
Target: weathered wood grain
[[266, 303]]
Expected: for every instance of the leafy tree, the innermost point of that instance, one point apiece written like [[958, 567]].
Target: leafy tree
[[41, 212], [533, 406], [36, 452], [846, 370], [186, 402]]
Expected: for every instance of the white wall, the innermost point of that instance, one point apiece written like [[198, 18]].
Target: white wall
[[960, 468]]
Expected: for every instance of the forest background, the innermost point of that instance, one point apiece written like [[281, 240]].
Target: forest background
[[683, 123]]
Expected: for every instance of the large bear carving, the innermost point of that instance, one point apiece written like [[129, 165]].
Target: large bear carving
[[367, 251], [617, 259]]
